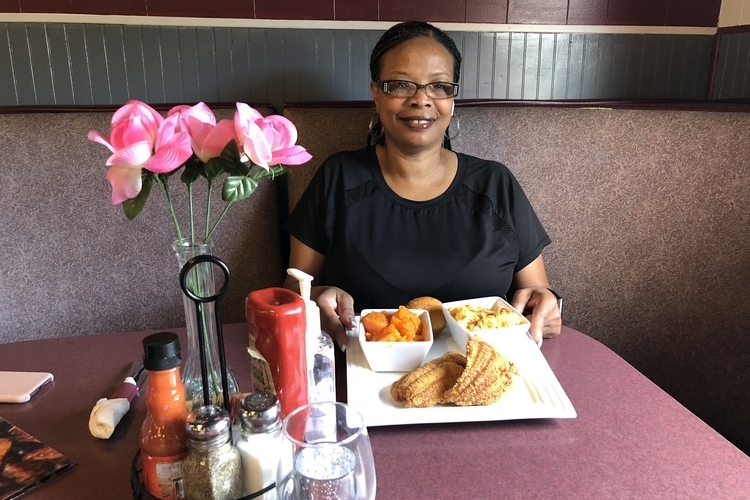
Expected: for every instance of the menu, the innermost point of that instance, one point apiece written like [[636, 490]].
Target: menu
[[25, 462]]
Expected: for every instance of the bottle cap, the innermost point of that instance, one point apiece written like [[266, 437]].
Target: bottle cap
[[260, 412], [161, 351], [207, 422]]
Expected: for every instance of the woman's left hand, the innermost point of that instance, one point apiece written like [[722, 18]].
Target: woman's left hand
[[544, 314]]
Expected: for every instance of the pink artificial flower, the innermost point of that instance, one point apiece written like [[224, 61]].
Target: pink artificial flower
[[267, 140], [140, 138], [207, 138]]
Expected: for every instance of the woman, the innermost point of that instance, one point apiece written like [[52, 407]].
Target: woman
[[408, 217]]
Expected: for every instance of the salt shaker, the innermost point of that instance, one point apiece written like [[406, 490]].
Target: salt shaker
[[213, 467], [260, 442]]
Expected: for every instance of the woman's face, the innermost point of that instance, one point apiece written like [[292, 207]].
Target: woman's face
[[416, 121]]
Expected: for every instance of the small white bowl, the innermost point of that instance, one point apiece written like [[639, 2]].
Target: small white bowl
[[396, 356], [494, 336]]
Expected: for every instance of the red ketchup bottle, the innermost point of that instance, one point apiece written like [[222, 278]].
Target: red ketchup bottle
[[163, 434], [276, 324]]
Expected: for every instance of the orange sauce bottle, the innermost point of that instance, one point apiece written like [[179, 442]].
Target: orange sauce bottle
[[163, 434]]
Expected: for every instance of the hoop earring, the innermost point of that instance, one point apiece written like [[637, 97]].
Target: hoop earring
[[458, 128], [375, 129]]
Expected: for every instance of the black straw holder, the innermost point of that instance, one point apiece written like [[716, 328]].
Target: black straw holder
[[199, 306]]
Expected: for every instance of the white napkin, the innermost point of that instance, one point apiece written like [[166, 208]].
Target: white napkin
[[105, 416]]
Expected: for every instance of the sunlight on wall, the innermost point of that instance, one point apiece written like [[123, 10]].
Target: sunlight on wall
[[734, 13]]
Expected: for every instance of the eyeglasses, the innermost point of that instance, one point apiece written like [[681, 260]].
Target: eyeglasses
[[404, 88]]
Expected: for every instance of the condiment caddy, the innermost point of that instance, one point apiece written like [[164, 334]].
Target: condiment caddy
[[188, 455]]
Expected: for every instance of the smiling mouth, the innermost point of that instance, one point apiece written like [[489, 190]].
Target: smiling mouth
[[418, 122]]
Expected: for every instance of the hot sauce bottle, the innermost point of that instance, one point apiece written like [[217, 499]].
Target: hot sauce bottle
[[163, 434]]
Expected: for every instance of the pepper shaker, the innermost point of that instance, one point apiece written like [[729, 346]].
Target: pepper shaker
[[213, 467]]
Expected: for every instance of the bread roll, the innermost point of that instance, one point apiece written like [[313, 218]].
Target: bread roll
[[434, 307]]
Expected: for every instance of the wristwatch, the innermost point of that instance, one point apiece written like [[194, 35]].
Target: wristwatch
[[559, 300]]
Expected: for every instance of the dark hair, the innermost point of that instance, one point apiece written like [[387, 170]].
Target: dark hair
[[403, 32], [396, 35]]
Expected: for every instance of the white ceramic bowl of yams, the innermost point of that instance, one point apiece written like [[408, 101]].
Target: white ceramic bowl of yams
[[402, 356]]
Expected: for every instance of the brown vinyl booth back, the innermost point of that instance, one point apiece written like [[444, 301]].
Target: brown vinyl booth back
[[72, 264], [649, 215]]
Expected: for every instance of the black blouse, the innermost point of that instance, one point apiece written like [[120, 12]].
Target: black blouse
[[385, 250]]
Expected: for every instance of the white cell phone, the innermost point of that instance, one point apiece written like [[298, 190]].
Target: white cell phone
[[19, 387]]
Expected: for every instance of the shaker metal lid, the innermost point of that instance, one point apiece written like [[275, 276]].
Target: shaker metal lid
[[260, 412], [207, 422]]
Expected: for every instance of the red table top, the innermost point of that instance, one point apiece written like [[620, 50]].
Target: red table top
[[630, 439]]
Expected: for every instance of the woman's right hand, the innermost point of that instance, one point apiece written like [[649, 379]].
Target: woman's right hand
[[336, 306], [336, 312]]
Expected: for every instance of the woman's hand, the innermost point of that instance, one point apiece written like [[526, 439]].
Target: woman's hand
[[545, 315], [336, 306], [336, 312]]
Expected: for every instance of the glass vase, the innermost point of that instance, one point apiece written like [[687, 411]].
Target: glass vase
[[200, 281]]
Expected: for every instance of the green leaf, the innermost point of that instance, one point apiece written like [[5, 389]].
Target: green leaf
[[230, 160], [193, 170], [134, 206], [279, 170], [238, 187], [271, 173], [214, 168]]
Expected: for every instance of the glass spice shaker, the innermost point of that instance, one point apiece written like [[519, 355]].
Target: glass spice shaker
[[260, 442], [213, 468]]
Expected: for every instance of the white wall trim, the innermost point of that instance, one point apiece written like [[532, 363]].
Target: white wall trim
[[344, 25]]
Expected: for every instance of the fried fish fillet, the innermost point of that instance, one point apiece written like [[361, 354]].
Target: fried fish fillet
[[486, 377], [427, 385]]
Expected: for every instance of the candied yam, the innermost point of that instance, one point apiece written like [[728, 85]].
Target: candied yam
[[404, 314], [375, 321], [420, 333], [388, 334], [406, 322], [403, 326], [407, 329]]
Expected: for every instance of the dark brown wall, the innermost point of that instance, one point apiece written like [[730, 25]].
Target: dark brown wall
[[599, 12]]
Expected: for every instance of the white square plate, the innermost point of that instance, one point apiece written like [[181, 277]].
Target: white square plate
[[535, 393]]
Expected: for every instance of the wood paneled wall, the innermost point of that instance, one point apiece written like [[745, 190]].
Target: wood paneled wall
[[595, 12], [732, 72], [73, 64], [67, 63]]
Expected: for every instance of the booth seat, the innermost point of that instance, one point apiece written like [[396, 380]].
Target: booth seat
[[649, 214], [73, 264], [648, 209]]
